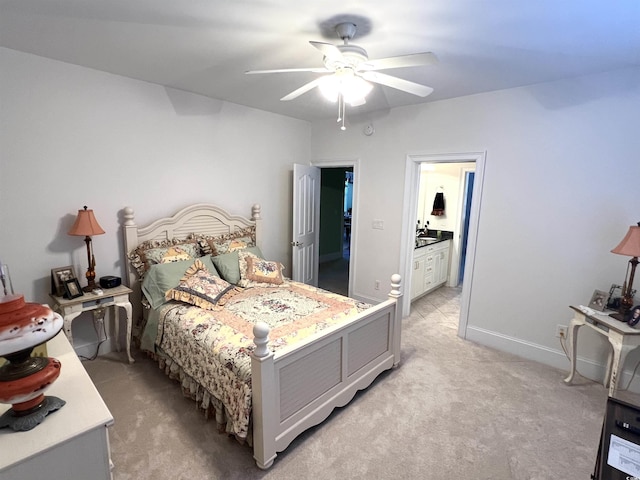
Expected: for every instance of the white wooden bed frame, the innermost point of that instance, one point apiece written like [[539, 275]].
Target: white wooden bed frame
[[298, 387]]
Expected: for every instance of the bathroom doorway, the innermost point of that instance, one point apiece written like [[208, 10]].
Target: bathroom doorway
[[410, 211]]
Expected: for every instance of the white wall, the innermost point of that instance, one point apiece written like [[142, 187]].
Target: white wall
[[448, 178], [560, 190], [72, 136]]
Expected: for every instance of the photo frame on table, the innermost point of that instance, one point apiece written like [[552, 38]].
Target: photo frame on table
[[598, 300], [633, 316], [58, 278], [72, 288]]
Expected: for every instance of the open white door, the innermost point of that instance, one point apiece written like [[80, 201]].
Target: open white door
[[306, 224]]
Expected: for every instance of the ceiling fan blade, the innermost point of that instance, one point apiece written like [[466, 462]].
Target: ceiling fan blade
[[412, 60], [303, 89], [398, 83], [328, 50], [289, 70]]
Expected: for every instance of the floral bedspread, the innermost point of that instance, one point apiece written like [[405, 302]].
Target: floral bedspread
[[213, 347]]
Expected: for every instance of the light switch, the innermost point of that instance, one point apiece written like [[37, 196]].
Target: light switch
[[377, 224]]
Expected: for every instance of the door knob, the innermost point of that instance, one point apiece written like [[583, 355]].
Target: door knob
[[297, 244]]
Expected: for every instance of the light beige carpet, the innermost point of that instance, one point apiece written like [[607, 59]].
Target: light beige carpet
[[451, 410]]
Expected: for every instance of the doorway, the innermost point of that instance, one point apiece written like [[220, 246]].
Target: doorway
[[410, 210], [336, 209]]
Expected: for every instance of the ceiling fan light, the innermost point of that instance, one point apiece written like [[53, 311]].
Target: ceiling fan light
[[356, 101], [330, 88], [355, 89]]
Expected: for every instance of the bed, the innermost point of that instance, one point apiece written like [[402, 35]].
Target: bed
[[288, 370]]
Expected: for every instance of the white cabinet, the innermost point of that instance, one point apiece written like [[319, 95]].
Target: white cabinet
[[430, 268], [71, 443], [417, 275]]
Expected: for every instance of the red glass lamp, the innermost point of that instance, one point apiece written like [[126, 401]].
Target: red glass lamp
[[24, 379]]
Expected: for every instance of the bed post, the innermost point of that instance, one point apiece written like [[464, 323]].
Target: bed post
[[130, 238], [264, 398], [130, 231], [396, 294], [255, 216]]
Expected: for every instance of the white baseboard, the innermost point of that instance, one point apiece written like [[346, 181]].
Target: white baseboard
[[548, 356]]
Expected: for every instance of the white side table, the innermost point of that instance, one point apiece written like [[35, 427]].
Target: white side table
[[622, 337], [91, 302]]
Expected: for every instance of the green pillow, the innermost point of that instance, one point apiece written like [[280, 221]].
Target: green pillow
[[164, 276], [228, 265]]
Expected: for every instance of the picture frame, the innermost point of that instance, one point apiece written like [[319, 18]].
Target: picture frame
[[598, 300], [58, 278], [72, 289], [633, 316]]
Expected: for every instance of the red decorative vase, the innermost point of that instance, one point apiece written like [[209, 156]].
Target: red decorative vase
[[24, 379]]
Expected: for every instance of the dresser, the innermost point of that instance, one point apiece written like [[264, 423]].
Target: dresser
[[71, 443]]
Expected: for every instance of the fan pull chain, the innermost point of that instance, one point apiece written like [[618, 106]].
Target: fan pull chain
[[341, 111]]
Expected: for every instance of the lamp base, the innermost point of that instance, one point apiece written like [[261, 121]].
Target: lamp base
[[91, 281], [24, 421]]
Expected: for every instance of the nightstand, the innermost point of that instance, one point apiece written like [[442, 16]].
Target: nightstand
[[97, 303], [621, 336]]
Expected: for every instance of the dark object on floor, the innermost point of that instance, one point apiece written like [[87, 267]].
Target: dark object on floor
[[621, 423]]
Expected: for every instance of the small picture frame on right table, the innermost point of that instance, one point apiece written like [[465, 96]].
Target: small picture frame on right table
[[633, 316], [598, 300], [72, 289]]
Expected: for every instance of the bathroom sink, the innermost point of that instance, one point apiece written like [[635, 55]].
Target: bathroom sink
[[422, 241]]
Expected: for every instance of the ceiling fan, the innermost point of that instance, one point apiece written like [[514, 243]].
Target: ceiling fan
[[349, 72]]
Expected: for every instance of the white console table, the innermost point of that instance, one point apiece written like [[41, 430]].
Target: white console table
[[622, 337], [71, 443]]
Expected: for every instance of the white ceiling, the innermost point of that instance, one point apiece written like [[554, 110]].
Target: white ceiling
[[205, 46]]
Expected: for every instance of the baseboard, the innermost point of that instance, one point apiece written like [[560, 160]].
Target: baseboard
[[548, 356]]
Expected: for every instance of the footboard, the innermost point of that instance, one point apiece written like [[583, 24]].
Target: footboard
[[299, 387]]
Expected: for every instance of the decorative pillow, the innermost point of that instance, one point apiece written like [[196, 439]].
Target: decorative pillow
[[228, 242], [165, 276], [257, 272], [199, 287], [152, 252], [228, 264]]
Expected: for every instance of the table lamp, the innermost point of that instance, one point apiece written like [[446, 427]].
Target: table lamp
[[87, 226], [629, 246]]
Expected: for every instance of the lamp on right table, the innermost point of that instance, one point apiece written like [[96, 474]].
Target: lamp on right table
[[629, 246]]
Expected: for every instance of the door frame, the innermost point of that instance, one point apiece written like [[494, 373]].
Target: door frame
[[410, 209], [463, 215], [355, 164]]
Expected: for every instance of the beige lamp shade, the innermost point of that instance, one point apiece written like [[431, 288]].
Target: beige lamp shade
[[86, 224], [630, 244]]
